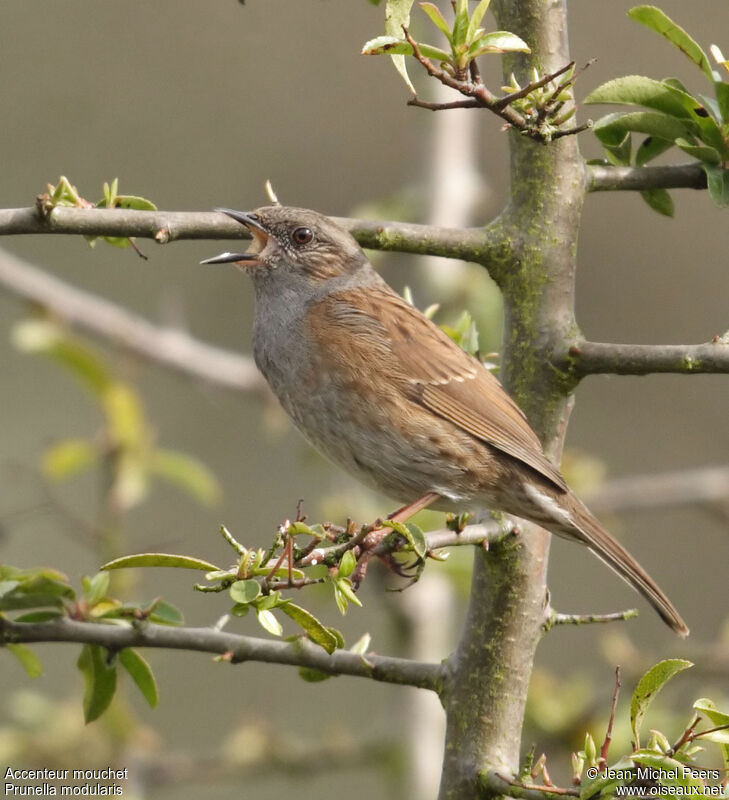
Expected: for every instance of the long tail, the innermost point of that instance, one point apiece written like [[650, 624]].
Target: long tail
[[578, 523]]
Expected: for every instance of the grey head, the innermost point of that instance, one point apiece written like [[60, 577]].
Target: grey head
[[297, 247]]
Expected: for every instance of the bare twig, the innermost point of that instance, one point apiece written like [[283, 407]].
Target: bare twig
[[300, 653], [554, 618], [703, 485], [639, 179], [415, 101], [494, 784], [168, 346], [605, 749], [590, 358]]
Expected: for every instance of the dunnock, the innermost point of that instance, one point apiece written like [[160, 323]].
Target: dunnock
[[383, 392]]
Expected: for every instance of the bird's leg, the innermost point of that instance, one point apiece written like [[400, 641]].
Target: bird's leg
[[411, 509]]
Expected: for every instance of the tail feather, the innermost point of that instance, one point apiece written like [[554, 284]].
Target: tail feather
[[574, 521]]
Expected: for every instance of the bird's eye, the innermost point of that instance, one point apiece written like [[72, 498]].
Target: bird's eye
[[302, 236]]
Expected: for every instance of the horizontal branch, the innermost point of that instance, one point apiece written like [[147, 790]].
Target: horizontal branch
[[168, 226], [170, 347], [590, 358], [702, 485], [299, 653], [639, 179]]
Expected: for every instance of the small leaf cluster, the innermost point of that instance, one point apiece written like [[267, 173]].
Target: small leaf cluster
[[125, 448], [547, 105], [43, 594], [671, 768], [696, 124], [466, 38], [300, 555], [64, 193]]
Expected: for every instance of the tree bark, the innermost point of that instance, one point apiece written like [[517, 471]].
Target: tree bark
[[488, 676]]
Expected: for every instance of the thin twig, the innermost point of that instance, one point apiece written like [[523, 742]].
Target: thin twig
[[415, 101], [498, 784], [168, 346], [529, 88], [553, 618], [605, 749]]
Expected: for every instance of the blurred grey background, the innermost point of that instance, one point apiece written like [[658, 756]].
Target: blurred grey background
[[195, 105]]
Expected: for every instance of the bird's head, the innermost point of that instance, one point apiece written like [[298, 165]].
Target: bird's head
[[294, 240]]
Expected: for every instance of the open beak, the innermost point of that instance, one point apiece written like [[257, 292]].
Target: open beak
[[260, 239]]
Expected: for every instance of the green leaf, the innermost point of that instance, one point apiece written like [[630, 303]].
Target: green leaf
[[437, 18], [362, 645], [498, 42], [131, 480], [611, 129], [476, 17], [165, 613], [68, 457], [717, 180], [674, 773], [39, 616], [648, 687], [700, 152], [650, 148], [414, 535], [605, 782], [43, 336], [33, 589], [620, 154], [659, 200], [722, 100], [123, 409], [317, 632], [27, 658], [313, 675], [397, 14], [637, 90], [132, 201], [269, 622], [338, 637], [709, 709], [13, 601], [460, 25], [245, 591], [390, 44], [141, 673], [96, 588], [187, 473], [661, 23], [340, 598], [269, 601], [160, 560], [345, 587], [99, 679], [347, 564], [6, 587]]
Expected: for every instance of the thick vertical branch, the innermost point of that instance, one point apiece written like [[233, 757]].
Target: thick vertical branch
[[489, 673]]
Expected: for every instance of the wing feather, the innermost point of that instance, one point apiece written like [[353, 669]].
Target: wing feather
[[433, 371]]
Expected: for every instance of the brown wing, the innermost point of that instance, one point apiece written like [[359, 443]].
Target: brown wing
[[435, 372]]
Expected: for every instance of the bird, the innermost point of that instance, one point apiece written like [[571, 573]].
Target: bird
[[384, 393]]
